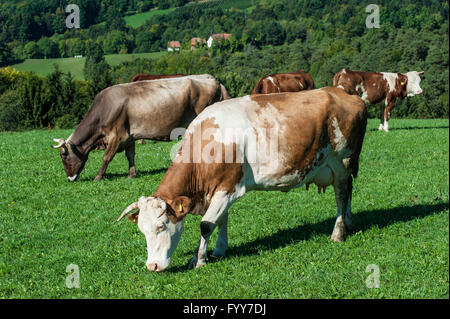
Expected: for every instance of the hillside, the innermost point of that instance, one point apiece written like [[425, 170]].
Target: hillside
[[75, 65]]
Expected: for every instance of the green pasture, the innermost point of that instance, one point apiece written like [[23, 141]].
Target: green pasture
[[279, 242], [75, 65]]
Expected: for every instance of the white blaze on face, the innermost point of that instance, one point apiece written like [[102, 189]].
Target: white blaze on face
[[413, 86], [390, 79], [161, 234]]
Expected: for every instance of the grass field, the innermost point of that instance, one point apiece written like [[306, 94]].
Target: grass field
[[279, 242], [136, 20], [75, 66]]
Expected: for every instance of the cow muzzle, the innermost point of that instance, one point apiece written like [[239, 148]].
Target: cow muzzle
[[154, 267]]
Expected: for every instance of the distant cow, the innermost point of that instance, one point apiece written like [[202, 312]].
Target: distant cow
[[258, 142], [284, 82], [376, 87], [142, 76], [139, 110]]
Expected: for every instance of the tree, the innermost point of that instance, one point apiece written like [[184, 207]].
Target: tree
[[48, 48], [6, 55], [31, 50], [96, 69]]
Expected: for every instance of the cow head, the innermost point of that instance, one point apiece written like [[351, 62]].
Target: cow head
[[413, 85], [73, 160], [162, 225]]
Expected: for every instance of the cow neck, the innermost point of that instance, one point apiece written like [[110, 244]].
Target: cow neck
[[86, 136], [181, 180], [176, 182]]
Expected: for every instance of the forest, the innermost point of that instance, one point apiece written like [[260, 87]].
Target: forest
[[321, 37]]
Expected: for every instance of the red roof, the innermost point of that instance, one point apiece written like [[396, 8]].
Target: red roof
[[197, 40], [174, 44], [226, 36]]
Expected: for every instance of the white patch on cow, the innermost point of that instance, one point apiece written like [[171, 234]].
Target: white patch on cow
[[340, 86], [386, 126], [339, 138], [413, 85], [72, 178], [301, 85], [271, 80], [380, 128], [343, 71], [361, 87], [390, 78]]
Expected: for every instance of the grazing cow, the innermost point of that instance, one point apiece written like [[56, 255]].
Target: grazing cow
[[126, 112], [376, 87], [142, 76], [284, 82], [257, 142]]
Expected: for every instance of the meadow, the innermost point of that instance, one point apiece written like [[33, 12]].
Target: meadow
[[279, 242], [75, 65]]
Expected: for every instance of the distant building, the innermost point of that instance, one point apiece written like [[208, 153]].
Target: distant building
[[217, 37], [173, 46], [194, 42], [78, 56]]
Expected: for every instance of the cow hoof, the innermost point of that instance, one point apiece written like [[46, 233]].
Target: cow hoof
[[132, 176], [337, 238], [98, 178], [381, 127], [218, 254]]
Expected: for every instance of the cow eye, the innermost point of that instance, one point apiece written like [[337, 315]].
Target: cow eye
[[160, 228]]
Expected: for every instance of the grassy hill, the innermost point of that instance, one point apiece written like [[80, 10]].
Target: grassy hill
[[75, 66], [136, 20]]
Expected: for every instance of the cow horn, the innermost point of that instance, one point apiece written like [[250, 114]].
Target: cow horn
[[60, 142], [129, 209], [420, 72]]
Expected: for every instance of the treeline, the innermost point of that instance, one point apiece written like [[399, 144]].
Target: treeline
[[268, 23], [30, 20]]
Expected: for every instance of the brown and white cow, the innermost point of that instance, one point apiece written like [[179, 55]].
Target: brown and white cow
[[284, 82], [126, 112], [257, 142], [376, 87]]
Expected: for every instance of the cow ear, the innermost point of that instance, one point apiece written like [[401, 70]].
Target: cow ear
[[181, 206], [403, 83], [133, 217]]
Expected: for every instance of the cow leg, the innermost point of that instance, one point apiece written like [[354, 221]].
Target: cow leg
[[130, 152], [111, 150], [222, 239], [217, 209], [387, 115], [343, 194], [381, 127]]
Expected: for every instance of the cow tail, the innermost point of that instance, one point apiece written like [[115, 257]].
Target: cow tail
[[225, 95], [336, 79], [353, 165], [258, 87]]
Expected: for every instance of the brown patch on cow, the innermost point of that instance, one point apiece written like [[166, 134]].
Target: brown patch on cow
[[199, 181], [284, 82]]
